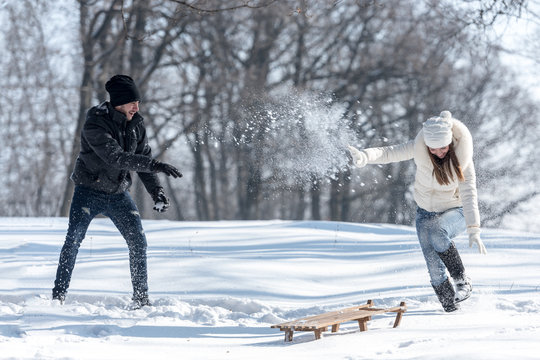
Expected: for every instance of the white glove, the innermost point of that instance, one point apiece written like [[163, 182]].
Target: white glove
[[359, 157], [475, 238]]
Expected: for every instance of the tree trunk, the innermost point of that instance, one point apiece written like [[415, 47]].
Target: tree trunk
[[85, 95], [315, 193], [199, 181]]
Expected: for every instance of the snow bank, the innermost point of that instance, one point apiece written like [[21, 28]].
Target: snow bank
[[216, 287]]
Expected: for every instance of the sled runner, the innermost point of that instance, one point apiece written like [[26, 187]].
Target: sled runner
[[320, 323]]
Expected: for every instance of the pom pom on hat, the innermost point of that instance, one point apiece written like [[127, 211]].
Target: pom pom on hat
[[122, 90], [438, 130], [446, 114]]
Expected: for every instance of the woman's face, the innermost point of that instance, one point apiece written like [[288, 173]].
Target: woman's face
[[440, 152]]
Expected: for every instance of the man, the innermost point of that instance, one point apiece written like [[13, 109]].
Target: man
[[113, 143]]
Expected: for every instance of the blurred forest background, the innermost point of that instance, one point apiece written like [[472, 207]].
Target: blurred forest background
[[255, 101]]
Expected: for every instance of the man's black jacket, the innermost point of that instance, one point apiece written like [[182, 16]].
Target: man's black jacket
[[111, 147]]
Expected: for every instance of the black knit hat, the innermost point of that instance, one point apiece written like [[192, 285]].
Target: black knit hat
[[122, 90]]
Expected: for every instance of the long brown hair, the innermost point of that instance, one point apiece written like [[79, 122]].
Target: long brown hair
[[442, 168]]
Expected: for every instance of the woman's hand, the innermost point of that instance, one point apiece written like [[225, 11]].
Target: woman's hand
[[359, 157], [475, 239]]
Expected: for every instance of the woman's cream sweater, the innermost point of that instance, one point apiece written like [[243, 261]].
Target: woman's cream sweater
[[428, 193]]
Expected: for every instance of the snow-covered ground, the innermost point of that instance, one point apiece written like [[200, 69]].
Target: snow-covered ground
[[217, 287]]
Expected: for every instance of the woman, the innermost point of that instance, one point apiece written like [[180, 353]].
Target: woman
[[445, 192]]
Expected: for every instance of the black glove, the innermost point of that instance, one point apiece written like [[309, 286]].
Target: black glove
[[161, 203], [169, 170]]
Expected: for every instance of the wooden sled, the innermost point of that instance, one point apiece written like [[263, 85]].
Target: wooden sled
[[320, 323]]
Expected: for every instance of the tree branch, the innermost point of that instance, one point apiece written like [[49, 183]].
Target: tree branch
[[213, 11]]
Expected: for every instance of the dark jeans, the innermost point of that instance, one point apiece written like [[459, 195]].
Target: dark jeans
[[121, 209], [435, 232]]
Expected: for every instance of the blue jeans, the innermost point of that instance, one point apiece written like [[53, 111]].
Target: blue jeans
[[435, 232], [121, 209]]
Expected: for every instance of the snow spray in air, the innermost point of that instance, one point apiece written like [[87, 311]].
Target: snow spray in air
[[305, 135]]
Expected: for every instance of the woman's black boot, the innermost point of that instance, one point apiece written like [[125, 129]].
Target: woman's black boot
[[445, 292], [453, 263]]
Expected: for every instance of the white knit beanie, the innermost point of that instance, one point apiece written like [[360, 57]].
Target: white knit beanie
[[438, 130]]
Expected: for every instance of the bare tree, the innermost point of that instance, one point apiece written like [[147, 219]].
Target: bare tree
[[36, 115], [113, 41], [231, 94]]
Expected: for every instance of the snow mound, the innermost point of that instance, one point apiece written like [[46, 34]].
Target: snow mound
[[217, 287]]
